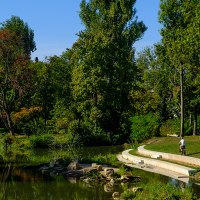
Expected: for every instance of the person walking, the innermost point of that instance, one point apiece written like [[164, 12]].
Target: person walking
[[182, 146]]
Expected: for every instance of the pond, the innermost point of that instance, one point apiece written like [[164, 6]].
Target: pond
[[18, 181]]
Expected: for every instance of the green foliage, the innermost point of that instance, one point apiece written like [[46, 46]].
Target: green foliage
[[122, 171], [62, 117], [16, 76], [87, 95], [82, 132], [41, 141], [103, 66], [12, 149], [20, 28], [164, 192], [189, 127], [144, 127], [170, 127], [180, 38], [109, 159], [127, 195]]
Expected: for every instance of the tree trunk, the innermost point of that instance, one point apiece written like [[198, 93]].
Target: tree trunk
[[182, 103], [4, 108], [190, 118], [10, 124], [195, 122]]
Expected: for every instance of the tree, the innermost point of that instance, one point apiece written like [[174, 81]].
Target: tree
[[103, 64], [145, 97], [7, 49], [156, 90], [22, 30], [15, 75], [52, 81], [180, 21], [192, 45]]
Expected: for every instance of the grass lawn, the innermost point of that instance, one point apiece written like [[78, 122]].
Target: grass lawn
[[171, 145]]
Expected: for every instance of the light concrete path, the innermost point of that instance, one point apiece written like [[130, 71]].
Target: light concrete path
[[168, 156], [156, 166]]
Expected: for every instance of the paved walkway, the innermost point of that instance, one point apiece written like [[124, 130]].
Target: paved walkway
[[155, 165], [168, 156]]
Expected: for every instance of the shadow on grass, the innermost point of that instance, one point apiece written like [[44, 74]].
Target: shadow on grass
[[190, 154]]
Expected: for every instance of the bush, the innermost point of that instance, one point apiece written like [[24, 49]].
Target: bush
[[109, 159], [165, 192], [171, 126], [42, 141], [144, 127]]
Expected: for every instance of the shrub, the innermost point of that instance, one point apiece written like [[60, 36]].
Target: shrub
[[171, 126], [109, 159], [165, 192], [144, 127], [41, 141]]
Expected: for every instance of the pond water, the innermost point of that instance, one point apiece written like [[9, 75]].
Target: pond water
[[29, 185], [23, 183]]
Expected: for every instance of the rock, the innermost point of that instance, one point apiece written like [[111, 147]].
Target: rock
[[108, 172], [72, 179], [108, 187], [60, 162], [99, 167], [127, 177], [52, 163], [112, 181], [59, 169], [136, 189], [116, 195], [73, 173], [53, 173], [89, 170], [94, 165], [74, 166], [44, 169], [172, 135], [87, 180], [124, 178]]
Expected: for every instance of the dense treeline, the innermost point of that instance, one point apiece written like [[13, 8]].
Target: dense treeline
[[99, 91]]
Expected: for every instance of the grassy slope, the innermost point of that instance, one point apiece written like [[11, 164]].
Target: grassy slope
[[171, 145]]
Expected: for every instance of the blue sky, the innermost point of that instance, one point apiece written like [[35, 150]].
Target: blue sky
[[55, 23]]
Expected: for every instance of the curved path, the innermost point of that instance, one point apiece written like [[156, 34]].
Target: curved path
[[169, 156], [156, 166]]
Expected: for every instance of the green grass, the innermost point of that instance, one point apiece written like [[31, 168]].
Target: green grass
[[171, 145], [157, 191]]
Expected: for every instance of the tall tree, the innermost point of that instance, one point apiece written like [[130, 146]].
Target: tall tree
[[179, 17], [103, 63], [52, 81], [22, 30], [15, 74], [155, 83]]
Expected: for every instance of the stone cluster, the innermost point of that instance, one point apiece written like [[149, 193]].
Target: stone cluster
[[89, 173]]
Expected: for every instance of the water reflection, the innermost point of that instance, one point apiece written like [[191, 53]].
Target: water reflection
[[25, 184], [18, 183], [21, 183]]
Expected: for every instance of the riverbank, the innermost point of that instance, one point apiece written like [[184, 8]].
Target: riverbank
[[99, 155], [167, 149], [171, 145]]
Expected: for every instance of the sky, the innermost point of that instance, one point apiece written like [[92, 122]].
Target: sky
[[56, 23]]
